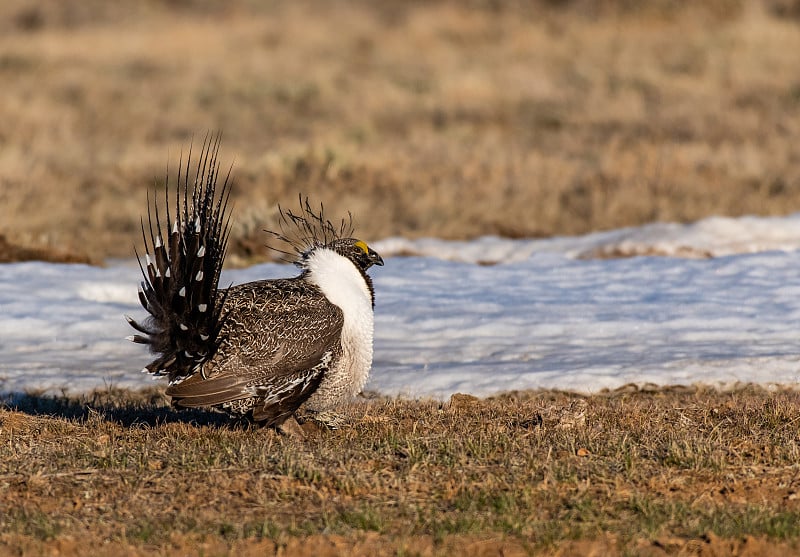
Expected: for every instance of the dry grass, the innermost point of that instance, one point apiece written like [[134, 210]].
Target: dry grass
[[682, 470], [452, 119]]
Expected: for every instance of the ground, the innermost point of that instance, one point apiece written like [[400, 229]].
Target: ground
[[669, 471], [448, 119]]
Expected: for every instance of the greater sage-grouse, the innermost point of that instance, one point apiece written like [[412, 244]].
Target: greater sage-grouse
[[261, 349]]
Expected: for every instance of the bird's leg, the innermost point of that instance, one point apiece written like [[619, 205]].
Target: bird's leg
[[327, 418], [291, 428]]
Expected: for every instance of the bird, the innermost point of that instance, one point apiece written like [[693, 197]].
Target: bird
[[267, 350]]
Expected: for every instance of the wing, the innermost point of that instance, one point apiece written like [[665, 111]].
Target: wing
[[276, 346]]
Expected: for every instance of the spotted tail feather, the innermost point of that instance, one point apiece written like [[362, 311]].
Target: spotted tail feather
[[183, 261]]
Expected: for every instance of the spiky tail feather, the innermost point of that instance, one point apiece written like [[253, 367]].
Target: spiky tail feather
[[180, 286]]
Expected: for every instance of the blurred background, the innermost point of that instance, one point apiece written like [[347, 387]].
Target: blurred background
[[453, 119]]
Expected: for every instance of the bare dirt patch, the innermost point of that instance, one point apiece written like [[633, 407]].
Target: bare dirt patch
[[10, 253]]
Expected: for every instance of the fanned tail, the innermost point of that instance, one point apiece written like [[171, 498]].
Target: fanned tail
[[181, 275]]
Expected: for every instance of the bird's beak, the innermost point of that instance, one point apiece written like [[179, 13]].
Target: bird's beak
[[376, 259]]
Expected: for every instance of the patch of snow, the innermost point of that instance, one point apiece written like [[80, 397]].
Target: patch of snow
[[711, 237], [546, 315]]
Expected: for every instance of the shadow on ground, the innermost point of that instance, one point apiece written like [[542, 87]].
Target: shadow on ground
[[127, 408]]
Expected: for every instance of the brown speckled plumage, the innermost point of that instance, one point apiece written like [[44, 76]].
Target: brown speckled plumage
[[263, 348]]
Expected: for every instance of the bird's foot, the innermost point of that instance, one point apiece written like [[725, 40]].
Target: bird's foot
[[326, 419], [291, 428]]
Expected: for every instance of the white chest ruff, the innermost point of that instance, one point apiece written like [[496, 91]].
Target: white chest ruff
[[341, 282]]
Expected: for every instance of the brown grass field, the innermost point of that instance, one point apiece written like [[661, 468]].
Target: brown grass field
[[444, 118], [684, 471]]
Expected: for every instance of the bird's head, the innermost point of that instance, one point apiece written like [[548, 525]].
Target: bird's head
[[356, 251], [310, 230]]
